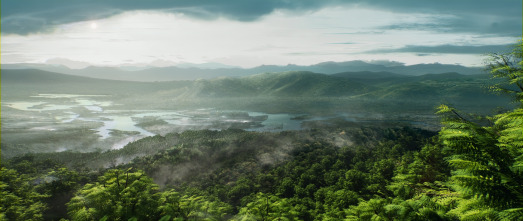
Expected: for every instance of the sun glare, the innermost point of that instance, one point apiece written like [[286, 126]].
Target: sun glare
[[94, 25]]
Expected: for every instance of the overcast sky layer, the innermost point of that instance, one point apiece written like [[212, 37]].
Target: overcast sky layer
[[249, 33]]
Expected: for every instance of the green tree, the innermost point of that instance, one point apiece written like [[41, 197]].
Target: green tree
[[336, 202], [373, 209], [192, 207], [268, 207], [507, 67], [18, 198], [60, 185], [488, 158], [119, 195]]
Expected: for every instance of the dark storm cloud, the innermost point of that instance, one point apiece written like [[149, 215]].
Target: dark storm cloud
[[31, 16], [446, 49]]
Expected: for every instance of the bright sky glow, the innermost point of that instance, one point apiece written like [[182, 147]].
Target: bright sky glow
[[94, 25], [281, 37]]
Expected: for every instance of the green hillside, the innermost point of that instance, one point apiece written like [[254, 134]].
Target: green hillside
[[273, 92], [13, 76], [291, 84], [286, 84], [447, 86], [21, 83]]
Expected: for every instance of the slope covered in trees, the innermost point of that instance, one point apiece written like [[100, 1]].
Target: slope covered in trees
[[288, 92], [223, 175]]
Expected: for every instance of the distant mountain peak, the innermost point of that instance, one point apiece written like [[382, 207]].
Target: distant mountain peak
[[67, 63], [213, 70]]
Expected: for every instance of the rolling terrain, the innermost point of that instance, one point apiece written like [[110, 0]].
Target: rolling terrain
[[329, 144], [373, 87], [152, 74]]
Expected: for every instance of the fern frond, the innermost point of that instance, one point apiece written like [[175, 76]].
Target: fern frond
[[484, 214], [511, 214], [470, 165]]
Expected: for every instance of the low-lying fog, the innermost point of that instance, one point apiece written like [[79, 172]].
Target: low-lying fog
[[60, 122], [86, 123]]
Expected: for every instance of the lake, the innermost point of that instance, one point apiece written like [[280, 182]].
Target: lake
[[58, 113]]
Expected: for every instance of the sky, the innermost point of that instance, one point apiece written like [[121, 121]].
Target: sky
[[249, 33]]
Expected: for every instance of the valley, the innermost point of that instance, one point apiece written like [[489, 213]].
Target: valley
[[297, 145], [51, 112], [261, 110]]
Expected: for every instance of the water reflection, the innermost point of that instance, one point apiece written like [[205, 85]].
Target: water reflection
[[66, 95], [25, 106], [121, 123], [57, 110], [277, 122]]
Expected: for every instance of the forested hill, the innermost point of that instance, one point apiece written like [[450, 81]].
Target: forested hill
[[344, 171], [361, 90], [292, 84], [20, 83], [13, 76]]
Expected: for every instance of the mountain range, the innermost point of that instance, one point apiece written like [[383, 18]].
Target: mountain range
[[192, 72], [384, 90]]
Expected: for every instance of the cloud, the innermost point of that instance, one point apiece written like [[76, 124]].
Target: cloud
[[479, 6], [466, 23], [386, 63], [33, 16], [343, 43], [445, 49]]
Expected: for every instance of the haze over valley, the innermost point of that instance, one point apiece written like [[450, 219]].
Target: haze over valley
[[261, 110], [56, 111]]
